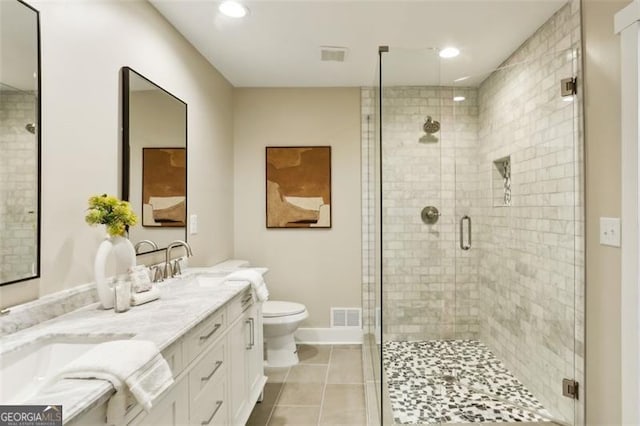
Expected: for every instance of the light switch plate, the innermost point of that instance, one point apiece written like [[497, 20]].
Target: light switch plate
[[193, 224], [610, 231]]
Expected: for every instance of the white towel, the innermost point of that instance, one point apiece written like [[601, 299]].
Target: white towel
[[256, 280], [145, 297], [134, 363]]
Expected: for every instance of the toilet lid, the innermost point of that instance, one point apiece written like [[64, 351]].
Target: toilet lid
[[275, 308]]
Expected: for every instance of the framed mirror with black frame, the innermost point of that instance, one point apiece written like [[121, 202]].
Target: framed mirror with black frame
[[20, 142], [154, 161]]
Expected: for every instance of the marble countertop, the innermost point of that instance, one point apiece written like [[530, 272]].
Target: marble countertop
[[183, 303]]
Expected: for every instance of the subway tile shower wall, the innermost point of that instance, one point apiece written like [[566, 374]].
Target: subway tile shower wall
[[18, 181], [520, 289], [421, 300]]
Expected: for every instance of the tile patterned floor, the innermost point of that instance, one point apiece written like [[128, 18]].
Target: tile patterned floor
[[326, 388], [454, 381]]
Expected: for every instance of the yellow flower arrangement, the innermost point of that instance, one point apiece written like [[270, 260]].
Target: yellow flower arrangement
[[108, 210]]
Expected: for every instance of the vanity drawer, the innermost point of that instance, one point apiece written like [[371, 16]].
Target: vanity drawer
[[204, 334], [171, 409], [211, 407], [210, 369], [239, 304]]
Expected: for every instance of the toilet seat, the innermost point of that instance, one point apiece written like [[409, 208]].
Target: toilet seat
[[276, 309]]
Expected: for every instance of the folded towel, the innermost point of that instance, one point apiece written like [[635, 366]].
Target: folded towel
[[145, 297], [256, 280], [134, 363], [140, 280]]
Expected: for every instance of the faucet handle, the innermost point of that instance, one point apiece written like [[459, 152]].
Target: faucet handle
[[168, 270], [158, 274], [176, 267]]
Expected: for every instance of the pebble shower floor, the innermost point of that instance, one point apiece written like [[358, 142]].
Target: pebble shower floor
[[454, 381]]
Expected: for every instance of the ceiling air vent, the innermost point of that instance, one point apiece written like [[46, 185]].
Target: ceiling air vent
[[332, 53]]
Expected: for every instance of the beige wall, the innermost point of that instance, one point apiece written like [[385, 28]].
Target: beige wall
[[602, 151], [319, 268], [84, 45]]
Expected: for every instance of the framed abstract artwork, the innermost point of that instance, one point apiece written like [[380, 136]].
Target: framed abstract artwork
[[298, 186], [164, 187]]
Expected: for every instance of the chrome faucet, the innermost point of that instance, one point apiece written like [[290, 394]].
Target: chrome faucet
[[168, 270], [148, 242]]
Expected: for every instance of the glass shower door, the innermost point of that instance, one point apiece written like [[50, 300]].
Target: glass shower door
[[413, 306], [517, 202]]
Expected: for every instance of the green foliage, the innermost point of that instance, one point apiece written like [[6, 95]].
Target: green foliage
[[108, 210]]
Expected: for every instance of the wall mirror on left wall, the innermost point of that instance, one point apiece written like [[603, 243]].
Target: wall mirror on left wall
[[154, 156], [19, 142]]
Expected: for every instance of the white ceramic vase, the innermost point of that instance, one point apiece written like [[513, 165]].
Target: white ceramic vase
[[125, 258]]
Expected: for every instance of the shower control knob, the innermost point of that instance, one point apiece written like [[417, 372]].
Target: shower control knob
[[430, 215]]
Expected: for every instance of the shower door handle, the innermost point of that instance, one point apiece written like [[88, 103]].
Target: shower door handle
[[464, 246]]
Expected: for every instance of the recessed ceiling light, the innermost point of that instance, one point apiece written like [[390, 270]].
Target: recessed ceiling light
[[459, 98], [458, 80], [449, 52], [233, 9]]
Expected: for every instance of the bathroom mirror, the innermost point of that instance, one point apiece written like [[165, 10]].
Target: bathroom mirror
[[154, 126], [19, 142]]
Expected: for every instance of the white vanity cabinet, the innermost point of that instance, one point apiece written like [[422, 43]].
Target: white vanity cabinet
[[218, 369], [246, 358], [198, 363]]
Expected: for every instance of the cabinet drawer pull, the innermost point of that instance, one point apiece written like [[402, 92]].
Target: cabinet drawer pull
[[206, 378], [216, 328], [218, 405], [253, 334], [246, 303], [251, 342]]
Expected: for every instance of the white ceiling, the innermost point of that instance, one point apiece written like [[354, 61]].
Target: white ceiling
[[278, 43]]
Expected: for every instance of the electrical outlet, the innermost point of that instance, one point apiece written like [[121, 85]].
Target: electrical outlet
[[193, 224], [610, 231]]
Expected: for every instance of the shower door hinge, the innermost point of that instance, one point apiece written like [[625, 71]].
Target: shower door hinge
[[570, 388], [569, 86]]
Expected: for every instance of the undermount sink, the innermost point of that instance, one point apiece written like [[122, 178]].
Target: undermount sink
[[27, 369], [210, 278]]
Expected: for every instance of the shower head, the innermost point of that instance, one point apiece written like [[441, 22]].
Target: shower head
[[431, 126], [31, 128]]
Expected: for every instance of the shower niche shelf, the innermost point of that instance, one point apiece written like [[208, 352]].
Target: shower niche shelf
[[501, 182]]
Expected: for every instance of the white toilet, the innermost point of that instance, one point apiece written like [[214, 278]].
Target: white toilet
[[280, 322]]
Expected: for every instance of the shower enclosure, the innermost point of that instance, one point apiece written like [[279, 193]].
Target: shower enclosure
[[473, 234]]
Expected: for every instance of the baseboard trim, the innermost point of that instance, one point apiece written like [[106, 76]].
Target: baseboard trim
[[328, 336]]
